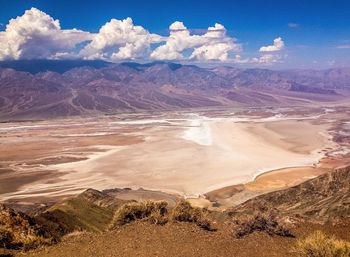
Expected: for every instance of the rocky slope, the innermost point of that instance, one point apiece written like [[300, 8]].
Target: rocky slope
[[321, 199], [320, 203], [47, 89]]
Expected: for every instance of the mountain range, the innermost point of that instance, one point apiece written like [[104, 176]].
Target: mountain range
[[38, 89]]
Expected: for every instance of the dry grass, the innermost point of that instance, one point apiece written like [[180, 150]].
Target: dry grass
[[19, 231], [19, 240], [34, 241], [184, 212], [319, 244], [153, 211], [5, 238], [263, 222], [5, 253], [156, 212]]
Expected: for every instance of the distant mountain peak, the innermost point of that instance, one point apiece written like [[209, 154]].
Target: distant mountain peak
[[142, 66], [52, 88], [59, 66]]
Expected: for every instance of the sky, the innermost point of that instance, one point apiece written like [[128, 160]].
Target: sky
[[274, 34]]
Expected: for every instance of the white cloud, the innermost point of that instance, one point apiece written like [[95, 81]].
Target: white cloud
[[177, 26], [213, 45], [238, 59], [278, 45], [265, 59], [269, 59], [37, 35], [178, 40], [218, 51], [218, 45], [119, 40], [218, 31]]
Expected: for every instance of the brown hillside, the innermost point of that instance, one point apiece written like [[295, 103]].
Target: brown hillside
[[320, 199]]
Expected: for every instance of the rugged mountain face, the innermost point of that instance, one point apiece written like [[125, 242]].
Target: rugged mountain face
[[320, 199], [337, 78], [46, 89]]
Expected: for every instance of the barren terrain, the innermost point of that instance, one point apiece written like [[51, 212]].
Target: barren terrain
[[221, 156]]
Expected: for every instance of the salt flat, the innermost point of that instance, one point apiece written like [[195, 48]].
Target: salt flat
[[184, 153]]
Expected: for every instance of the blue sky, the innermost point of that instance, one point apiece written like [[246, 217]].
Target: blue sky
[[316, 34]]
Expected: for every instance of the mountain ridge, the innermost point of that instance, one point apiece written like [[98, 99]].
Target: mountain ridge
[[97, 88], [321, 203]]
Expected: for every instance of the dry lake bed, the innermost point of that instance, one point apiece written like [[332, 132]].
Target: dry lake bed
[[193, 153]]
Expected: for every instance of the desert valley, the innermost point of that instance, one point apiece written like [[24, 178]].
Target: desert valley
[[182, 129], [220, 148], [180, 152]]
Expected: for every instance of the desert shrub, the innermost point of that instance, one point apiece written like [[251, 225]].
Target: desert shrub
[[154, 211], [5, 238], [21, 240], [319, 244], [19, 231], [34, 241], [263, 222], [6, 254], [158, 216], [184, 212]]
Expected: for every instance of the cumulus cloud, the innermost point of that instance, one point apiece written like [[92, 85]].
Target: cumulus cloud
[[278, 45], [120, 40], [178, 40], [37, 35], [213, 45], [218, 51], [177, 26], [269, 59], [265, 59], [218, 45]]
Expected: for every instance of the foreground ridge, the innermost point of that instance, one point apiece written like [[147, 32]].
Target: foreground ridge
[[322, 203]]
